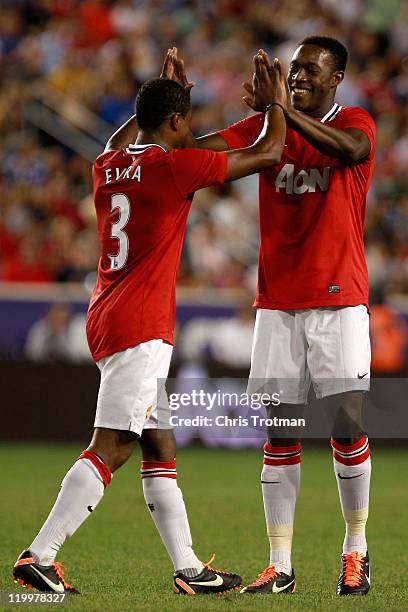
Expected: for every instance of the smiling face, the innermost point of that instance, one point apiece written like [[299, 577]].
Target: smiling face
[[313, 79]]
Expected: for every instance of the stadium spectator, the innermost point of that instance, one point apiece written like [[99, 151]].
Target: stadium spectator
[[47, 339], [59, 336], [226, 341]]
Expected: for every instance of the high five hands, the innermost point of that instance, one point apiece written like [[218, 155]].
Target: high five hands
[[268, 84], [173, 68]]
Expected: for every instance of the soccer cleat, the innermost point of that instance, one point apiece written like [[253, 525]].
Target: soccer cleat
[[209, 580], [271, 581], [49, 578], [355, 574]]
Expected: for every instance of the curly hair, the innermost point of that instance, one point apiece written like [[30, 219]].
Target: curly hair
[[157, 99]]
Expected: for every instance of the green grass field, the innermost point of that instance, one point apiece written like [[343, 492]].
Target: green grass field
[[119, 563]]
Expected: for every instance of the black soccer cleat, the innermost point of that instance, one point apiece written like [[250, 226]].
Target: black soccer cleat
[[209, 580], [48, 578], [272, 581], [355, 574]]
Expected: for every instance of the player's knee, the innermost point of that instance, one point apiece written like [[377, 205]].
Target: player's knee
[[346, 414], [279, 430], [113, 447], [113, 457], [158, 445], [120, 455]]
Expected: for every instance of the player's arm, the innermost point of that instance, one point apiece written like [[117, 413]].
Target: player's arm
[[269, 88], [350, 144], [212, 142], [126, 134], [266, 150]]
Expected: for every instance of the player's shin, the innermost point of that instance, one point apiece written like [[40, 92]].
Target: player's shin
[[280, 480], [166, 505], [81, 491], [352, 466]]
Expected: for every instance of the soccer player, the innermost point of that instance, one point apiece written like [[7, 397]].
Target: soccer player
[[143, 194], [312, 320]]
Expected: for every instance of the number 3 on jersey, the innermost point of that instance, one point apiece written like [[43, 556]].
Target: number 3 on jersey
[[120, 201]]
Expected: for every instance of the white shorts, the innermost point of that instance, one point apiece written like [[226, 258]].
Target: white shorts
[[132, 388], [329, 347]]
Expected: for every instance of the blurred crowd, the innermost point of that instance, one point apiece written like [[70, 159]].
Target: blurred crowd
[[95, 54], [208, 345]]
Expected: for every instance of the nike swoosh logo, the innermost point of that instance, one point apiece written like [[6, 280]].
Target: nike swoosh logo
[[218, 581], [362, 375], [58, 588], [368, 578], [270, 481], [276, 589], [348, 477]]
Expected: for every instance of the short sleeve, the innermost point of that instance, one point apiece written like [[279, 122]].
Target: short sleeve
[[243, 133], [197, 168], [360, 119]]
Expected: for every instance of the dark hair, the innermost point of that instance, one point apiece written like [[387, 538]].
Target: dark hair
[[157, 99], [336, 48]]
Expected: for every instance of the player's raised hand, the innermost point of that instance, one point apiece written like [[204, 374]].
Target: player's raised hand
[[180, 72], [254, 102], [268, 84], [258, 100], [173, 68], [282, 89], [168, 67], [283, 83]]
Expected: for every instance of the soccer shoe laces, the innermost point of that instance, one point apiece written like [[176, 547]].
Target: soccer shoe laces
[[59, 568], [353, 569], [264, 577], [208, 566]]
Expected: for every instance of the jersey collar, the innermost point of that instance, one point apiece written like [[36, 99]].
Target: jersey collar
[[331, 114], [134, 148]]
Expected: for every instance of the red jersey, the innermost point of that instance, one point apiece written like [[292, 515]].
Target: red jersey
[[142, 198], [312, 210]]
